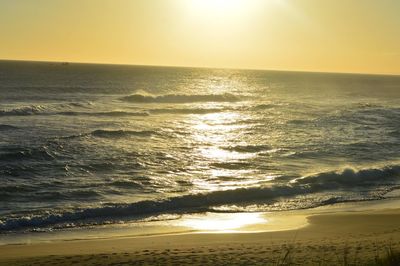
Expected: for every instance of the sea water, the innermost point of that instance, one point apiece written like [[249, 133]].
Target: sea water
[[85, 144]]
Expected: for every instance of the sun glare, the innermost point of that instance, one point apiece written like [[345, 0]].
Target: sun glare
[[221, 8], [218, 5], [222, 222]]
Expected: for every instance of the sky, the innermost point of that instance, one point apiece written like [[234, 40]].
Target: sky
[[358, 36]]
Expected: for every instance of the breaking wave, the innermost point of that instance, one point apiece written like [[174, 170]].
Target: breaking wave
[[181, 98], [25, 110], [344, 179], [351, 178]]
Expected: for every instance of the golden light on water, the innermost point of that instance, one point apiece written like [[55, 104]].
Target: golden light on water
[[222, 222], [214, 134], [217, 130]]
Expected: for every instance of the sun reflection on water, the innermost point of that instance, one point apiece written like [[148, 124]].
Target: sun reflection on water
[[214, 131], [226, 222], [214, 136]]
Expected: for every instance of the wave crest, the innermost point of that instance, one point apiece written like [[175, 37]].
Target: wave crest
[[24, 110], [350, 177]]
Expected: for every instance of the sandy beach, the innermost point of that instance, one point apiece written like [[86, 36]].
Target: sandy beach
[[347, 237]]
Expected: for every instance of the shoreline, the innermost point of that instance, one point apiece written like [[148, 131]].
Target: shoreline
[[359, 232], [198, 223]]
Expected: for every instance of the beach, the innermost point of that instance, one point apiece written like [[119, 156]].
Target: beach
[[330, 237]]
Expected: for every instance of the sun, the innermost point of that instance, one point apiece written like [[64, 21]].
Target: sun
[[221, 7], [220, 16], [218, 5], [221, 28]]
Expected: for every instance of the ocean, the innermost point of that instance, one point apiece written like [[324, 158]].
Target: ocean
[[89, 145]]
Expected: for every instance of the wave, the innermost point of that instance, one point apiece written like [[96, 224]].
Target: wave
[[263, 107], [17, 154], [69, 107], [4, 127], [79, 104], [42, 109], [84, 194], [232, 165], [362, 116], [350, 178], [181, 98], [47, 91], [247, 148], [111, 113], [24, 110], [197, 202], [20, 188], [101, 133], [345, 179], [126, 183], [187, 110]]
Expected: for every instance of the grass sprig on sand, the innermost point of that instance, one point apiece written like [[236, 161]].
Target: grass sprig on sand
[[392, 258]]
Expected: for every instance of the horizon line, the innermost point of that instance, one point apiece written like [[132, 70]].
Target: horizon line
[[201, 67]]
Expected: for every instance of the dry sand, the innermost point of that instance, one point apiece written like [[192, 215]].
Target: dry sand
[[343, 238]]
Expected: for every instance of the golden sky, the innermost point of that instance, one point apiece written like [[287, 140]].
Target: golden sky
[[310, 35]]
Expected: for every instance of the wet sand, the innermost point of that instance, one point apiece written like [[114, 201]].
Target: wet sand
[[328, 239]]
